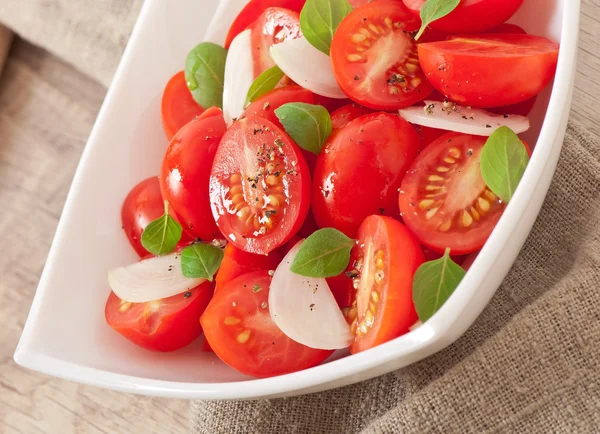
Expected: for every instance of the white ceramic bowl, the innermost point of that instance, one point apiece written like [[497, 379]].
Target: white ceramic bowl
[[66, 336]]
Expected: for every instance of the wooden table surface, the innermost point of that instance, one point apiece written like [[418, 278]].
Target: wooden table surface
[[46, 112]]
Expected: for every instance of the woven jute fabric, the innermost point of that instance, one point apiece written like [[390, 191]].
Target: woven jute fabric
[[529, 364]]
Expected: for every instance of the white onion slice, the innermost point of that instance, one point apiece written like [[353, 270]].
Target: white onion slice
[[151, 279], [307, 66], [239, 76], [226, 13], [305, 310], [461, 119]]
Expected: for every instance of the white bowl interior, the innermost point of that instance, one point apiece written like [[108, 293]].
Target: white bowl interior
[[66, 323]]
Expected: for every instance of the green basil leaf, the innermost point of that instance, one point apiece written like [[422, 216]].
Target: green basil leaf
[[201, 260], [264, 83], [434, 10], [205, 74], [326, 253], [320, 19], [309, 125], [162, 235], [504, 159], [433, 283]]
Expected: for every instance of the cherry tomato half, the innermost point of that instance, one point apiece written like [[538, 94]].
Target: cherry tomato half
[[259, 186], [359, 170], [471, 16], [178, 106], [490, 70], [384, 262], [444, 200], [375, 60], [186, 170], [160, 325], [346, 114], [237, 262], [266, 105], [238, 326]]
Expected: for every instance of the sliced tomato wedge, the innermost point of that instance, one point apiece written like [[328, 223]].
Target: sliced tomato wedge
[[259, 186], [444, 199], [490, 70], [238, 326], [383, 264], [160, 325], [178, 106], [237, 262], [375, 59], [346, 114], [266, 105]]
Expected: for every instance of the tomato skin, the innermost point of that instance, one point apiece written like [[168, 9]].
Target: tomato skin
[[471, 16], [342, 289], [359, 170], [237, 262], [521, 108], [508, 28], [266, 351], [252, 12], [464, 68], [173, 326], [331, 104], [185, 172], [178, 106], [266, 105], [346, 114]]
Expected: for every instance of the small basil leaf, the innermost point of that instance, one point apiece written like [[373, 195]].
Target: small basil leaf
[[504, 159], [320, 19], [201, 260], [433, 283], [162, 235], [309, 125], [264, 83], [434, 10], [205, 74], [326, 253]]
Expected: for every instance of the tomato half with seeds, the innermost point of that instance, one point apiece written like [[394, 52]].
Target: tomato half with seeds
[[259, 186], [359, 171], [266, 105], [178, 107], [346, 114], [238, 326], [375, 60], [160, 325], [490, 70], [237, 262], [383, 264], [185, 172], [444, 199]]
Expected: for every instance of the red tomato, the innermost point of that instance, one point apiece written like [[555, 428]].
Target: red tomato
[[342, 289], [344, 115], [331, 104], [186, 170], [259, 186], [178, 105], [521, 108], [237, 262], [274, 26], [358, 3], [444, 200], [359, 171], [266, 105], [238, 326], [144, 204], [471, 16], [468, 261], [428, 134], [374, 58], [385, 260], [253, 10], [160, 325], [508, 28], [490, 70]]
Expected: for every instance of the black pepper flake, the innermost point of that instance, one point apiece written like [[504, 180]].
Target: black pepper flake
[[356, 77], [488, 126], [257, 131], [464, 117], [469, 153], [266, 106], [188, 294], [208, 138], [312, 307], [382, 211], [279, 142], [352, 274], [170, 268], [256, 288], [278, 173], [505, 116], [270, 212]]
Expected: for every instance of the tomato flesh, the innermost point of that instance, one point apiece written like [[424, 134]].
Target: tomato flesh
[[178, 107], [444, 199], [259, 186], [490, 70], [237, 262], [375, 60], [383, 264], [238, 326]]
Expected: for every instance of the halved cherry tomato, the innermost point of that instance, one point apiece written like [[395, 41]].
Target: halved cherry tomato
[[490, 70], [360, 168], [160, 325], [429, 135], [374, 58], [178, 106], [344, 115], [259, 186], [331, 104], [274, 26], [384, 262], [237, 262], [444, 200], [238, 326], [342, 289], [266, 105], [144, 204], [253, 10], [471, 16], [186, 170]]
